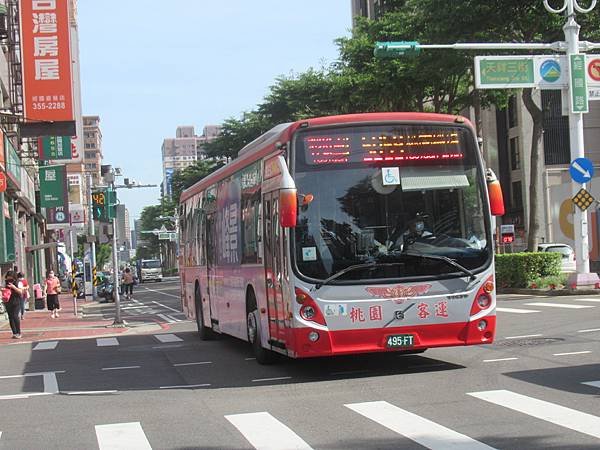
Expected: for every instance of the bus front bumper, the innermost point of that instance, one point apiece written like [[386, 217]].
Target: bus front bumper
[[344, 342]]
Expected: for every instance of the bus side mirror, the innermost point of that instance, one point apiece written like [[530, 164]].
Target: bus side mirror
[[495, 194], [288, 208]]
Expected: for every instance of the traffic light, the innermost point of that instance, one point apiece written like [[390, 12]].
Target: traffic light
[[395, 49], [103, 204]]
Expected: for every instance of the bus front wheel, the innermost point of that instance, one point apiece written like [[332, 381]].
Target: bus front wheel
[[204, 332], [263, 356]]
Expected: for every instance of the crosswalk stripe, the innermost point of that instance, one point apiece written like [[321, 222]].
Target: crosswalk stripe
[[418, 429], [265, 432], [125, 436], [517, 310], [167, 338], [592, 383], [48, 345], [550, 412], [591, 300], [107, 342], [559, 305]]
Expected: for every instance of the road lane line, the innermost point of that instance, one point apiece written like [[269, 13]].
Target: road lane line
[[122, 436], [192, 363], [418, 429], [523, 336], [592, 383], [591, 330], [121, 368], [165, 318], [517, 310], [249, 359], [89, 392], [164, 338], [572, 353], [500, 359], [107, 342], [591, 300], [165, 306], [550, 412], [49, 345], [559, 305], [174, 319], [162, 293], [184, 386], [270, 379], [265, 432]]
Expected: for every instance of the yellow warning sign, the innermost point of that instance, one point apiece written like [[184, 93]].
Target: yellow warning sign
[[583, 199]]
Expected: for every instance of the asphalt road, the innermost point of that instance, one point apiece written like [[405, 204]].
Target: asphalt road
[[538, 386]]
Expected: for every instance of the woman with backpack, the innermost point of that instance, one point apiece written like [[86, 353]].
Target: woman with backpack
[[11, 296]]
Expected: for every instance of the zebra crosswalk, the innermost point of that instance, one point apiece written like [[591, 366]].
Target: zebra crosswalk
[[266, 431], [533, 307]]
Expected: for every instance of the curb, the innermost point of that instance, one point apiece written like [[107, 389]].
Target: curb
[[549, 292]]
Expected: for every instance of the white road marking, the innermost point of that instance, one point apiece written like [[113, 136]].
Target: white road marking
[[418, 429], [107, 342], [192, 363], [517, 310], [559, 305], [592, 383], [164, 338], [18, 396], [167, 307], [165, 318], [49, 345], [591, 300], [174, 319], [523, 336], [162, 293], [89, 392], [49, 380], [184, 386], [499, 359], [249, 359], [572, 353], [121, 368], [589, 331], [265, 432], [270, 379], [550, 412], [125, 436]]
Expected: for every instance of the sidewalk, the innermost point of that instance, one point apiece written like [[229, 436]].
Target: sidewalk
[[39, 326]]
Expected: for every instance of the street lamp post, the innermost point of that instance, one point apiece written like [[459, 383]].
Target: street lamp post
[[571, 30]]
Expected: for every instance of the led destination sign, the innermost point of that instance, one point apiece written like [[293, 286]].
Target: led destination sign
[[405, 144]]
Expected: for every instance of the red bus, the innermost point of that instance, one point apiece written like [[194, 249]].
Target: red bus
[[345, 234]]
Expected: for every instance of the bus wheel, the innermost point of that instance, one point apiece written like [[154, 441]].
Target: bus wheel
[[263, 356], [204, 332]]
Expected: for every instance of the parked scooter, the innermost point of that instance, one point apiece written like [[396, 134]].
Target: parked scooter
[[106, 291]]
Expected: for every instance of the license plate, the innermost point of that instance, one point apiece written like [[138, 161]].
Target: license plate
[[400, 341]]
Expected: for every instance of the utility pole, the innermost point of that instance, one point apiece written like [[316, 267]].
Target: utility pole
[[118, 320], [92, 232]]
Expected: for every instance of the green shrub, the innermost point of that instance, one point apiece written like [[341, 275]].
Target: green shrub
[[519, 270]]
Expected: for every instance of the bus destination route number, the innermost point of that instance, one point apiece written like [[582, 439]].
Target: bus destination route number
[[400, 341]]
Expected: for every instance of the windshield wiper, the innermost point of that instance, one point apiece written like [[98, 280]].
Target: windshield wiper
[[369, 265], [445, 259]]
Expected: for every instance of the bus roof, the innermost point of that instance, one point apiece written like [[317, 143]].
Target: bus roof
[[265, 144]]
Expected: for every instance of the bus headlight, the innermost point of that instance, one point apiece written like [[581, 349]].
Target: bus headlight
[[484, 301], [308, 312], [313, 336], [482, 325]]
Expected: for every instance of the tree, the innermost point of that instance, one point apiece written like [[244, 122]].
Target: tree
[[183, 179]]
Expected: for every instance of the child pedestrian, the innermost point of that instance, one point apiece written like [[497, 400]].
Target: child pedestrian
[[25, 297]]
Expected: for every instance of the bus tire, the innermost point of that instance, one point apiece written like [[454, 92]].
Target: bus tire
[[205, 333], [263, 356]]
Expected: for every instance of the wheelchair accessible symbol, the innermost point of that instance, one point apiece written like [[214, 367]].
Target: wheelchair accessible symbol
[[390, 176]]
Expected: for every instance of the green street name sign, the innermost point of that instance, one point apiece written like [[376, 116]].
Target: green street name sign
[[498, 72], [54, 147], [578, 85]]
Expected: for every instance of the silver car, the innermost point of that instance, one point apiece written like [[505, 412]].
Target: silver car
[[567, 255]]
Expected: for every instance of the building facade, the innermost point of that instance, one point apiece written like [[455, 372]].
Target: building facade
[[92, 151]]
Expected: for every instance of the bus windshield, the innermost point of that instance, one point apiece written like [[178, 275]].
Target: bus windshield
[[397, 199]]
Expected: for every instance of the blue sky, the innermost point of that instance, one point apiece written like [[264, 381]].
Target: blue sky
[[149, 66]]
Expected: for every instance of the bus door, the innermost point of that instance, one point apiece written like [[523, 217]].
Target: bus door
[[211, 267], [273, 238]]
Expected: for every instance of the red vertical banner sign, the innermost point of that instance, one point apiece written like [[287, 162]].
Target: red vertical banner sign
[[46, 58]]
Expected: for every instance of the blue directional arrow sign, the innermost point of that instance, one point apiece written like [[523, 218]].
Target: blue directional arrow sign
[[581, 170]]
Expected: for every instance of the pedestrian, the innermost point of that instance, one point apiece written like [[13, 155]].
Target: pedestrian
[[25, 296], [52, 289], [11, 296], [128, 283]]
